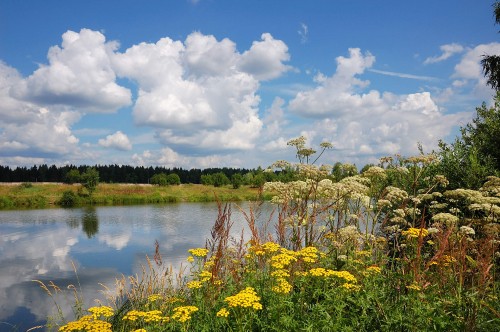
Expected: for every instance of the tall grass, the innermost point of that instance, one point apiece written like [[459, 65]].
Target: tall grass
[[388, 250]]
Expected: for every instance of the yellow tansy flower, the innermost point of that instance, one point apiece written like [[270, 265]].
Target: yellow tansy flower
[[223, 313], [198, 252]]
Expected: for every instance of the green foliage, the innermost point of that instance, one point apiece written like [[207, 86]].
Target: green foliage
[[462, 165], [483, 133], [220, 179], [341, 171], [236, 180], [173, 179], [69, 198], [207, 180], [163, 179], [476, 153], [90, 180], [73, 176], [258, 180], [6, 202], [159, 179]]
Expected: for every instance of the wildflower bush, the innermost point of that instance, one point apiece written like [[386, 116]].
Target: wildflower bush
[[390, 249]]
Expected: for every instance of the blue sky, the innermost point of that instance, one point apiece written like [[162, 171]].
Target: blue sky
[[212, 83]]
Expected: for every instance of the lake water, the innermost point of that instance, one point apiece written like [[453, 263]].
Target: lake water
[[103, 243]]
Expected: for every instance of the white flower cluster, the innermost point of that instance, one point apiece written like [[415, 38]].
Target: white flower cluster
[[424, 159], [445, 219], [466, 230], [395, 194], [492, 186], [375, 172]]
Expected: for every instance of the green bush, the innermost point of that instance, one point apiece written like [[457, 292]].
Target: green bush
[[69, 198]]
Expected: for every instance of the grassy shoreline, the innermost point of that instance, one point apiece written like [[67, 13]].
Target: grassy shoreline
[[47, 195]]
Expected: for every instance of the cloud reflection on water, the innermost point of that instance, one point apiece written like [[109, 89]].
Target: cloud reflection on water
[[44, 244]]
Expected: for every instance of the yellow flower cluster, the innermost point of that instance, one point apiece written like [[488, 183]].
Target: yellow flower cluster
[[223, 313], [280, 274], [87, 323], [322, 272], [415, 232], [282, 287], [198, 252], [146, 316], [271, 247], [363, 253], [209, 263], [103, 311], [282, 260], [351, 287], [183, 314], [373, 270], [266, 248], [309, 254], [140, 330], [194, 284], [205, 276], [154, 297], [246, 298]]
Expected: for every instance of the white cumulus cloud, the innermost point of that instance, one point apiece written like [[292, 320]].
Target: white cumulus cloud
[[117, 140], [201, 94], [78, 75], [373, 123]]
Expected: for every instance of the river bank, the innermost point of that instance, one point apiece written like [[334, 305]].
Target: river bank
[[46, 195]]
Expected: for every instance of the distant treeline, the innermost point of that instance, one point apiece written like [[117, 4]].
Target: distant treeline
[[111, 173]]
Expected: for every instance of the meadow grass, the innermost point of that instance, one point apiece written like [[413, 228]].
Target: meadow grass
[[388, 250], [42, 195]]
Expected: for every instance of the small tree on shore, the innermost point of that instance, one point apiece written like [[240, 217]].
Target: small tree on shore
[[90, 180], [236, 180]]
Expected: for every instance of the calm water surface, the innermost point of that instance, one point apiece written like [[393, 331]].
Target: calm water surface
[[102, 242]]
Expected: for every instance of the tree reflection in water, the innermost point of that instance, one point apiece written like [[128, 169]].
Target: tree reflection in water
[[90, 223]]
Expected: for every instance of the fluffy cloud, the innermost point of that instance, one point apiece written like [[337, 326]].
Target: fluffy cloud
[[373, 123], [335, 95], [201, 95], [78, 75], [30, 131], [117, 140], [264, 60]]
